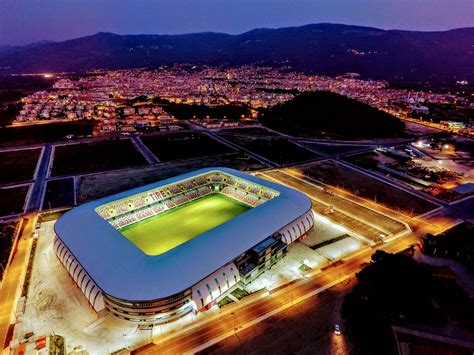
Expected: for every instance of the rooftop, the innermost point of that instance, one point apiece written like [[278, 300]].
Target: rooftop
[[123, 271]]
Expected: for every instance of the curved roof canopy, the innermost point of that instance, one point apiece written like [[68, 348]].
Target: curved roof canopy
[[123, 271]]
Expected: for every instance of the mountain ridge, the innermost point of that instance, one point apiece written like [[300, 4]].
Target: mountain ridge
[[326, 49]]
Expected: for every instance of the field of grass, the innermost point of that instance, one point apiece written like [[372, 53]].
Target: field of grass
[[94, 186], [166, 231], [240, 293], [335, 174], [12, 200], [18, 165], [184, 146], [59, 193], [49, 216], [225, 301], [278, 150], [96, 156]]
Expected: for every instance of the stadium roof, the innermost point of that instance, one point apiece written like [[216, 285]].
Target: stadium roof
[[123, 271]]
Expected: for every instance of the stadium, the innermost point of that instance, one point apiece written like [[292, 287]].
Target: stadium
[[155, 253]]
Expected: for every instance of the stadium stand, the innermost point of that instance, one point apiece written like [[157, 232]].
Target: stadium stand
[[142, 206]]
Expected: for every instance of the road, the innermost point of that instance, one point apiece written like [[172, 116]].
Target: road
[[395, 183], [143, 149], [363, 221], [11, 290], [240, 315], [235, 317], [257, 157], [37, 191], [462, 209], [436, 126], [305, 328]]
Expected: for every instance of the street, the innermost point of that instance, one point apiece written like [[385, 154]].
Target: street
[[210, 331], [11, 289]]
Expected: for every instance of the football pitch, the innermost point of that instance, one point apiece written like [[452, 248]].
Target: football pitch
[[157, 235]]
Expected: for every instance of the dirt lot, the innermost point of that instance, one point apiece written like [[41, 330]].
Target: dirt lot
[[59, 193], [278, 150], [176, 146], [97, 156], [306, 328], [335, 174], [18, 165], [98, 185], [12, 200]]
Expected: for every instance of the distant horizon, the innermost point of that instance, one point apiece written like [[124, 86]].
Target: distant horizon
[[30, 21], [228, 33]]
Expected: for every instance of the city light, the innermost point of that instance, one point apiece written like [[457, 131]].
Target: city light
[[232, 193]]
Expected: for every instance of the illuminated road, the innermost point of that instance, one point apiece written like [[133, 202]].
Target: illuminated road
[[37, 191], [215, 328], [200, 335], [436, 126], [363, 221], [11, 290]]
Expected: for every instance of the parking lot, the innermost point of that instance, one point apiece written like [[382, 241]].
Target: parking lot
[[363, 221]]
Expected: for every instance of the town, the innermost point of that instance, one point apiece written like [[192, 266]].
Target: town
[[237, 178], [108, 96]]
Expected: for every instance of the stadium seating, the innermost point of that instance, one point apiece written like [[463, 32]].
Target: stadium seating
[[151, 203], [200, 180], [216, 177], [175, 189], [254, 189], [188, 185], [241, 196]]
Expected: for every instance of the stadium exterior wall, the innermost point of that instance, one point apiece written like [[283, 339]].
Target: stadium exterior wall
[[202, 293]]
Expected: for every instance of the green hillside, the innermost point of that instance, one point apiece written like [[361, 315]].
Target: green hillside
[[315, 113]]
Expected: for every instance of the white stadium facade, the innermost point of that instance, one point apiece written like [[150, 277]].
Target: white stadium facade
[[117, 277]]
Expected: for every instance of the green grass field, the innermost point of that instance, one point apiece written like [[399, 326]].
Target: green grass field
[[166, 231]]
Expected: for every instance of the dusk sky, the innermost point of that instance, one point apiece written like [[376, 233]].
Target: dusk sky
[[26, 21]]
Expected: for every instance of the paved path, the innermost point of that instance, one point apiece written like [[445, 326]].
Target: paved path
[[237, 317], [257, 157], [395, 183], [143, 149], [37, 192]]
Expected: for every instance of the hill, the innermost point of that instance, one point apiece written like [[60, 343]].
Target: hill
[[310, 114], [327, 49]]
